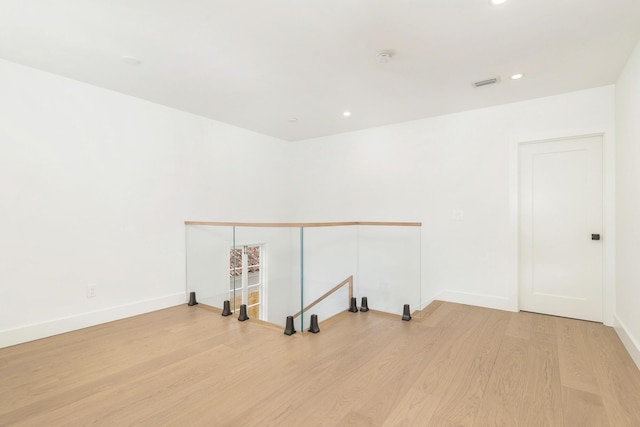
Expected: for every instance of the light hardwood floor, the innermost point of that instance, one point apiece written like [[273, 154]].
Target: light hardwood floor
[[458, 366]]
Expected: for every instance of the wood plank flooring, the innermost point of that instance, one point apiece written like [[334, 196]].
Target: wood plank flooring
[[456, 366]]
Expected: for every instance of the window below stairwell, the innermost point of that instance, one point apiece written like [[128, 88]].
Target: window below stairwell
[[246, 284]]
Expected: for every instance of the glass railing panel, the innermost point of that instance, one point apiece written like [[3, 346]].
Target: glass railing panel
[[207, 259], [268, 277], [277, 271], [330, 257], [389, 268]]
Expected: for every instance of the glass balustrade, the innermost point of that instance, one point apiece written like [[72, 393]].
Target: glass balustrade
[[207, 257], [280, 270], [272, 289], [336, 247]]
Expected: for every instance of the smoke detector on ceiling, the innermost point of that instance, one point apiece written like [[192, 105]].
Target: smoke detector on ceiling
[[384, 56]]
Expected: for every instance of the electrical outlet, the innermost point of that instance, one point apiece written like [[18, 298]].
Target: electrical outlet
[[91, 291]]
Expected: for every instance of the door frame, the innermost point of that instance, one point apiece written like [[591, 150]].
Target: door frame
[[263, 277], [608, 214]]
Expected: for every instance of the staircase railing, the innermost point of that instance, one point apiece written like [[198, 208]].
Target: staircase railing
[[348, 280]]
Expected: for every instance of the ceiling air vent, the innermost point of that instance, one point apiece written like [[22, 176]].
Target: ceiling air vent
[[486, 82]]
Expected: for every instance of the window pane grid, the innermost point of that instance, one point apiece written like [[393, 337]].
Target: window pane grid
[[245, 279]]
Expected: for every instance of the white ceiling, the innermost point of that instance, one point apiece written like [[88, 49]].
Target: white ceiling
[[258, 63]]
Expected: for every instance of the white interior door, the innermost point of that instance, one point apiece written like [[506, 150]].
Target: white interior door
[[561, 260]]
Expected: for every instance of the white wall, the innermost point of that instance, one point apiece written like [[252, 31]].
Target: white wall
[[423, 170], [94, 189], [389, 267], [95, 186], [628, 204]]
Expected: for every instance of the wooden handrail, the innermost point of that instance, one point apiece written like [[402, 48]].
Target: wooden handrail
[[348, 280], [303, 224]]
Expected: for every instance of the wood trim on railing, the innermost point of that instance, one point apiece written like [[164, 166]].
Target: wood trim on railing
[[348, 280], [302, 224]]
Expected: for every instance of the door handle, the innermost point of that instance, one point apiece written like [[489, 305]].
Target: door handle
[[595, 237]]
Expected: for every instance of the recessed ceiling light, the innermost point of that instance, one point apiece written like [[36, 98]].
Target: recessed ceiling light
[[517, 76], [293, 120], [131, 60], [346, 113], [496, 2]]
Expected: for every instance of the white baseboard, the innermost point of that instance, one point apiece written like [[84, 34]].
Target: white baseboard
[[479, 300], [428, 301], [9, 337], [630, 343]]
